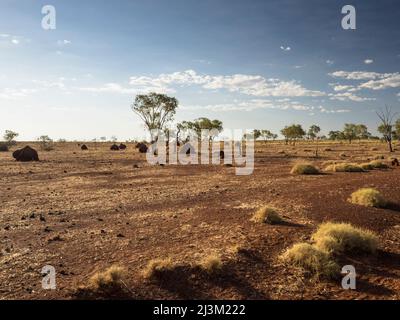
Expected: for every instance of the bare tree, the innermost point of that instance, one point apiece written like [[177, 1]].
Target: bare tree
[[386, 127]]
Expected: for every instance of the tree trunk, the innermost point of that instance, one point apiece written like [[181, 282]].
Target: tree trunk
[[390, 146]]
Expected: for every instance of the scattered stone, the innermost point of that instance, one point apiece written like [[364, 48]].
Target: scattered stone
[[55, 238]]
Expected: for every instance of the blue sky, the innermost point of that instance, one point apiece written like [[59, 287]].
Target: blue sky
[[251, 64]]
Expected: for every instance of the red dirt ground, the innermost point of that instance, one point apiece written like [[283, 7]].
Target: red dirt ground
[[82, 212]]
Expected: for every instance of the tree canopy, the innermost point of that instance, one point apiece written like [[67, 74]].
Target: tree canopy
[[200, 124], [293, 132], [155, 109]]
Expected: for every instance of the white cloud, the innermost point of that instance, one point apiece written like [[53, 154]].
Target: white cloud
[[390, 81], [12, 93], [256, 104], [324, 110], [13, 40], [345, 96], [376, 81], [119, 89], [368, 61], [250, 105], [330, 62], [62, 43], [356, 75], [254, 85], [285, 48], [202, 61], [59, 83], [339, 87]]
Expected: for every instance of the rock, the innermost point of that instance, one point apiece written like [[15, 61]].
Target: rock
[[3, 147], [395, 162], [84, 147], [26, 154], [114, 147], [143, 148]]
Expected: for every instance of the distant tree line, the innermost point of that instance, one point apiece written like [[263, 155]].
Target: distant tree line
[[157, 110]]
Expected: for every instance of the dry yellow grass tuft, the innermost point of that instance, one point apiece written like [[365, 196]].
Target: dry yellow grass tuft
[[304, 168], [334, 238], [155, 268], [211, 264], [330, 240], [367, 166], [111, 278], [310, 258], [344, 167], [235, 249], [376, 164], [368, 197], [267, 215]]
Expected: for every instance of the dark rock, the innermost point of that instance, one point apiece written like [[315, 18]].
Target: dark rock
[[3, 147], [143, 148], [114, 147], [26, 154]]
